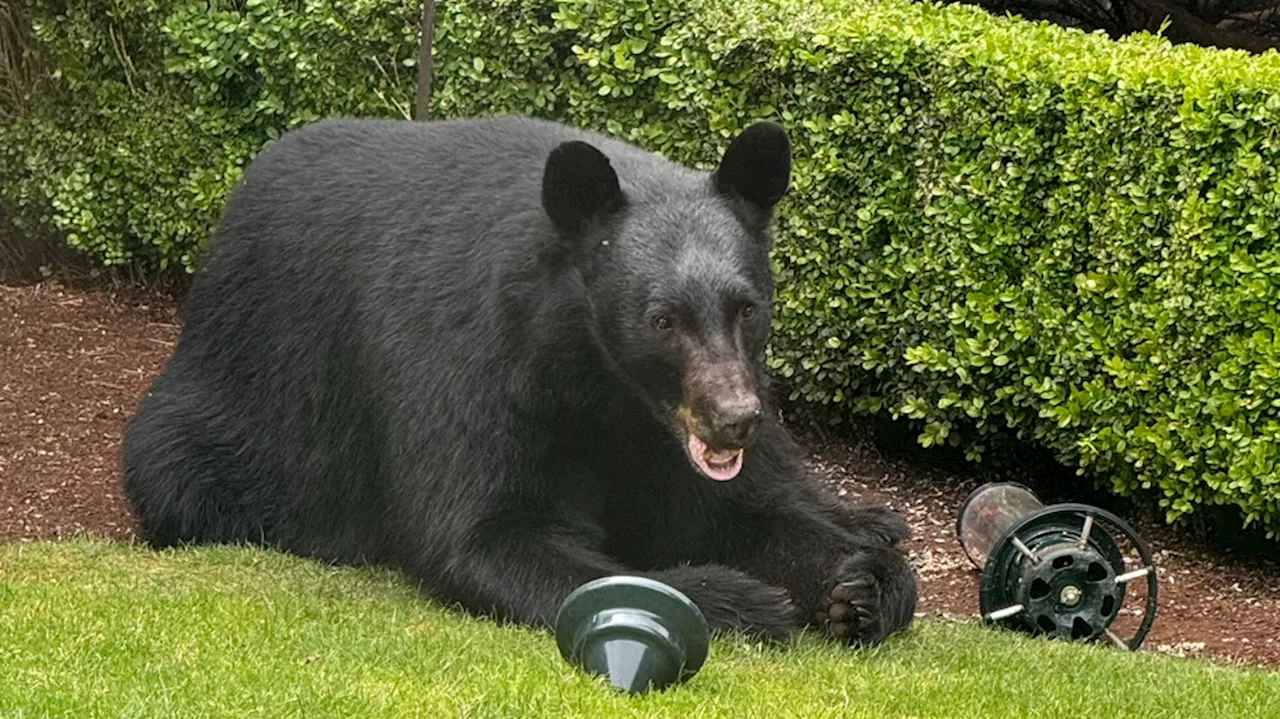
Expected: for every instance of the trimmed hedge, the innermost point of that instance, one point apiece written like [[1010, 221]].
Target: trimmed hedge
[[994, 223]]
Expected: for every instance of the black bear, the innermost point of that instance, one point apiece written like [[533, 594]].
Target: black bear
[[506, 356]]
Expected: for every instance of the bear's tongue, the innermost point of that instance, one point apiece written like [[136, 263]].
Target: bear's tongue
[[720, 465]]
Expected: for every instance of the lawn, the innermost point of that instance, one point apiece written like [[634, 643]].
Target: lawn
[[99, 629]]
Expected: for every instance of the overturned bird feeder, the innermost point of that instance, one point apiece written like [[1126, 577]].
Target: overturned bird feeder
[[1056, 570]]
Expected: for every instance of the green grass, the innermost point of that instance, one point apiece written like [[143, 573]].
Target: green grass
[[95, 629]]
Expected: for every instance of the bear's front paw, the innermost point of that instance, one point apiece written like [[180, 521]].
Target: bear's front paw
[[849, 610], [872, 595]]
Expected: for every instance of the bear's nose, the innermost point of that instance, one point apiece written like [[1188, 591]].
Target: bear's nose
[[736, 425]]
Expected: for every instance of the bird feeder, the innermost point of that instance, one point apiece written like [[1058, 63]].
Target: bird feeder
[[639, 633], [1054, 570]]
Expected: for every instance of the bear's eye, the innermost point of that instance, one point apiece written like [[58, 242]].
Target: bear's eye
[[748, 311], [661, 323]]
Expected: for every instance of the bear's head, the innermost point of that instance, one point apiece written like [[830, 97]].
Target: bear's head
[[676, 269]]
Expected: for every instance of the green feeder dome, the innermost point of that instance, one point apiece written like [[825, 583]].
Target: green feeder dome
[[640, 633]]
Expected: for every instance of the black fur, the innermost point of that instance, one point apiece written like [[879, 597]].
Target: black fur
[[473, 351]]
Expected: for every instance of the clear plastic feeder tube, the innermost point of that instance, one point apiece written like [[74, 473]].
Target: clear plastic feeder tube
[[988, 512]]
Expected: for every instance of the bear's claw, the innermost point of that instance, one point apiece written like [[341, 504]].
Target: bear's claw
[[849, 610]]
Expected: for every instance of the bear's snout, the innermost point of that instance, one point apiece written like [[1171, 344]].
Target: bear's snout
[[722, 402], [719, 425], [733, 424]]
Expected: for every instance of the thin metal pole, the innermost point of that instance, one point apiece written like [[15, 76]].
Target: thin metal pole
[[423, 108]]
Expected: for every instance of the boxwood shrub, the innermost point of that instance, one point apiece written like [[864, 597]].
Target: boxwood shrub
[[995, 224]]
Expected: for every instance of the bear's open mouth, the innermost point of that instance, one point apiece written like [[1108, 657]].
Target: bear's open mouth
[[721, 465]]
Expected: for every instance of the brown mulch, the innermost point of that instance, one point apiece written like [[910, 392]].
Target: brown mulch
[[73, 363], [72, 366]]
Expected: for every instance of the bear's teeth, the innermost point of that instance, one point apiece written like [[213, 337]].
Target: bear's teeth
[[719, 465], [721, 459]]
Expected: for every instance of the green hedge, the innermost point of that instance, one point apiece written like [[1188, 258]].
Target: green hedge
[[994, 223]]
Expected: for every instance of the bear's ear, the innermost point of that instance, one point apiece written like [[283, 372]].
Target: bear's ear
[[757, 166], [579, 185]]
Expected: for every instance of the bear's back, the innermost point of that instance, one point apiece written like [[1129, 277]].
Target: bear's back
[[444, 207], [379, 177]]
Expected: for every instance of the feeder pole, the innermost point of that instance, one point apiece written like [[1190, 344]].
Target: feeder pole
[[423, 108]]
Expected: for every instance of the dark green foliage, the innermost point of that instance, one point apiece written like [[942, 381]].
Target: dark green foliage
[[161, 102], [994, 223]]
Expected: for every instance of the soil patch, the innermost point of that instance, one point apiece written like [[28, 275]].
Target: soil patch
[[72, 367]]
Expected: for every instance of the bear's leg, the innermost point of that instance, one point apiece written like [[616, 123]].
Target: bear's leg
[[525, 576], [845, 576], [869, 522], [176, 475]]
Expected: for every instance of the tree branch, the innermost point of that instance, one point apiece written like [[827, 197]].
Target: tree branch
[[1186, 27], [1209, 23]]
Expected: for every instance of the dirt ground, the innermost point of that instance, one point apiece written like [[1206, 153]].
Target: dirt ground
[[73, 363]]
